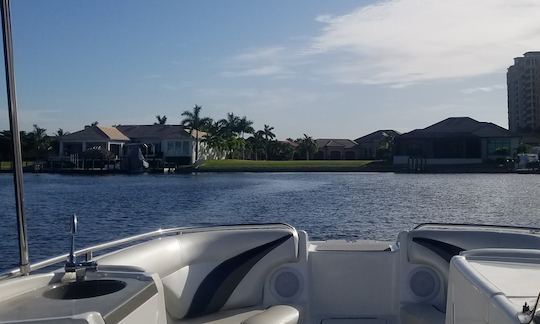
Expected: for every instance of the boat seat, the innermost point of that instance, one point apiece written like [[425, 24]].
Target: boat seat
[[277, 314], [415, 313]]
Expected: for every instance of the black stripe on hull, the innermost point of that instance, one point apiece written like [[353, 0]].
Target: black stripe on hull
[[219, 284], [442, 249]]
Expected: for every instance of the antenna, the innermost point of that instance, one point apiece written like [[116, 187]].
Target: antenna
[[15, 136]]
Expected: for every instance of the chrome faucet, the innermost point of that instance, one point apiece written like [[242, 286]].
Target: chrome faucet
[[72, 266]]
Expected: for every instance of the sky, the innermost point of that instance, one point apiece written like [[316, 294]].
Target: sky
[[337, 69]]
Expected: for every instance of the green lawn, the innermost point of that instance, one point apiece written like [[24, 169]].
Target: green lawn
[[6, 165], [297, 165]]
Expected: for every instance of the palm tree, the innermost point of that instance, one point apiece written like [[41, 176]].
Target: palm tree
[[194, 122], [214, 137], [38, 141], [215, 142], [268, 136], [161, 120], [257, 143], [307, 145], [386, 146], [55, 139], [60, 132], [231, 124], [267, 133], [245, 126]]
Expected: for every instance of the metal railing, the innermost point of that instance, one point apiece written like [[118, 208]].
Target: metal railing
[[88, 252], [535, 230]]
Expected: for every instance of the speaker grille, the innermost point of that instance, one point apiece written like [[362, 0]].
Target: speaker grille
[[424, 283], [287, 283]]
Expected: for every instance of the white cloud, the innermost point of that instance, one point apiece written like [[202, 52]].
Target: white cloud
[[266, 70], [490, 88], [398, 43], [404, 41], [262, 53], [257, 62]]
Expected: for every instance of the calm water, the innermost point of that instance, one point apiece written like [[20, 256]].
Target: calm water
[[327, 205]]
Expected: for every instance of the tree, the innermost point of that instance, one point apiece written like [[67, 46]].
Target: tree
[[55, 139], [5, 145], [245, 126], [193, 121], [386, 146], [38, 142], [231, 125], [214, 138], [267, 133], [161, 120], [256, 144], [94, 123], [307, 146], [281, 150], [60, 132], [268, 136]]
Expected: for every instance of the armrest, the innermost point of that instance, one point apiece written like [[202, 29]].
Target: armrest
[[279, 314]]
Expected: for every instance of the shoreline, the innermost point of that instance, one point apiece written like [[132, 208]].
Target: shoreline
[[297, 166], [280, 170]]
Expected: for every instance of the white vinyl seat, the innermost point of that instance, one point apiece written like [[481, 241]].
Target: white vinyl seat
[[415, 313], [277, 314]]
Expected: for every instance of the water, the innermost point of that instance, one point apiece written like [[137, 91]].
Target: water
[[326, 205]]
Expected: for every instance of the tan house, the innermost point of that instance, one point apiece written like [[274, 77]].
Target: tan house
[[109, 138], [336, 149]]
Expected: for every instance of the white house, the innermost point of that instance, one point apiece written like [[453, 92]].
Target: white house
[[172, 143]]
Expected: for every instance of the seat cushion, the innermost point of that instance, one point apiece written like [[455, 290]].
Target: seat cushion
[[278, 314], [421, 314]]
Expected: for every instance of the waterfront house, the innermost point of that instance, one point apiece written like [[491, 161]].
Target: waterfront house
[[456, 140], [169, 143], [369, 145], [336, 149], [172, 143], [107, 138]]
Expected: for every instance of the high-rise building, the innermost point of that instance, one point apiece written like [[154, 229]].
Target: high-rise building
[[523, 80]]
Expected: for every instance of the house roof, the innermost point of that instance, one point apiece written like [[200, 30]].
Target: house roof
[[113, 133], [155, 131], [459, 126], [96, 133], [335, 142], [377, 136]]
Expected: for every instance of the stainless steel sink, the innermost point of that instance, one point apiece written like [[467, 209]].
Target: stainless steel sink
[[84, 289]]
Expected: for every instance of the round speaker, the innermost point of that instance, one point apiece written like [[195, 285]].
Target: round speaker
[[424, 283], [286, 283]]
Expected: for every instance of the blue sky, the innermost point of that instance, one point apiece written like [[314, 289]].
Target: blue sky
[[325, 68]]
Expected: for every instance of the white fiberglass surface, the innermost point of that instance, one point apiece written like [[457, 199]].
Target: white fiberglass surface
[[514, 279]]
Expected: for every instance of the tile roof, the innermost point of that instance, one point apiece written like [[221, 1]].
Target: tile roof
[[335, 142], [377, 135], [460, 126], [153, 131], [96, 133], [130, 132], [113, 133]]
